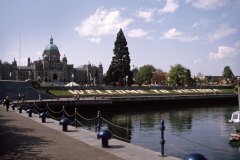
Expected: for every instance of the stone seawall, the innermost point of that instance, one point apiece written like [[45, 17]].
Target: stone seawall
[[135, 103]]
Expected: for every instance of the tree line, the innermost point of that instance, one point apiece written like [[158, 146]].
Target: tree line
[[120, 73]]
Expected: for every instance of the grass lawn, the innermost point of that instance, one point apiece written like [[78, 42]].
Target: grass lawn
[[67, 93]]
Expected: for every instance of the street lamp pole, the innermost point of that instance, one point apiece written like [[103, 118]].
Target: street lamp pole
[[168, 79], [72, 78], [29, 74], [126, 80]]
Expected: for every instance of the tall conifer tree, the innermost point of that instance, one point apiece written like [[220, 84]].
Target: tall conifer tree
[[119, 72]]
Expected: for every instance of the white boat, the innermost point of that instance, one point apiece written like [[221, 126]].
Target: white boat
[[235, 118]]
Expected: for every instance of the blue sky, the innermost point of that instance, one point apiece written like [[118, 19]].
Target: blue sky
[[202, 35]]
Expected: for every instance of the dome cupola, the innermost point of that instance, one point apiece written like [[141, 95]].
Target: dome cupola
[[51, 46], [64, 58], [14, 62], [51, 52]]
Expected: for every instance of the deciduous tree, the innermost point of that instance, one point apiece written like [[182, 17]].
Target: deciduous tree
[[227, 72], [159, 77], [145, 74], [179, 75]]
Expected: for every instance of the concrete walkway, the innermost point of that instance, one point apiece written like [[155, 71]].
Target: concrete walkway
[[22, 137]]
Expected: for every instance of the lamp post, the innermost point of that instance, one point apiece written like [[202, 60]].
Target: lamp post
[[94, 81], [72, 78], [91, 81], [29, 74], [168, 79], [126, 80]]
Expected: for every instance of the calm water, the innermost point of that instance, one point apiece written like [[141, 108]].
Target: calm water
[[204, 130]]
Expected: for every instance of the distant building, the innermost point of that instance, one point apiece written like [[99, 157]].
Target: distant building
[[51, 69]]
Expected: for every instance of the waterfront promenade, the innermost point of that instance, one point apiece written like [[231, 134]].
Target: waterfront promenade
[[134, 103], [22, 137]]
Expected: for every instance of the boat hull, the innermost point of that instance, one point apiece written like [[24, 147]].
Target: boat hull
[[237, 126]]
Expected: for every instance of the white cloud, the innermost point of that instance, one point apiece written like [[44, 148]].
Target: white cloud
[[196, 61], [170, 7], [222, 32], [225, 52], [102, 22], [202, 23], [207, 4], [9, 56], [174, 34], [38, 53], [24, 61], [237, 45], [95, 39], [137, 33], [147, 15]]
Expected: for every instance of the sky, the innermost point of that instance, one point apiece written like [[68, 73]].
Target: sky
[[201, 35]]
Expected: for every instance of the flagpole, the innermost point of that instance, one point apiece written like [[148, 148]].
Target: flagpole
[[20, 50]]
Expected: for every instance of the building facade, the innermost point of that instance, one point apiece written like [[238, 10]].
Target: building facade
[[52, 69]]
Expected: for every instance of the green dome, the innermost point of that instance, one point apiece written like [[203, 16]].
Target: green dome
[[51, 46], [14, 62]]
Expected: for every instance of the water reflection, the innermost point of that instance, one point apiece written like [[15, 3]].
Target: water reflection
[[180, 120], [123, 129], [204, 130], [235, 145]]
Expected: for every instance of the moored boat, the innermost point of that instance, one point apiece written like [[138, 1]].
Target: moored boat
[[235, 118]]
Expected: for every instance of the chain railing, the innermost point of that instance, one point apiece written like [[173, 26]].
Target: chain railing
[[100, 122], [112, 124], [78, 120], [87, 119], [51, 116], [198, 143], [55, 112]]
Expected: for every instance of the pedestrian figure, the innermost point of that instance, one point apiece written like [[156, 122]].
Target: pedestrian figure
[[39, 97], [19, 97], [23, 98], [7, 103]]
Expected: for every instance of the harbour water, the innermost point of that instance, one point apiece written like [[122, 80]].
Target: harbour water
[[204, 130]]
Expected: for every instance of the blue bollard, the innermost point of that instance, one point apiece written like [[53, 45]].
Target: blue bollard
[[13, 106], [105, 134], [43, 115], [20, 109], [194, 156], [29, 111], [64, 122]]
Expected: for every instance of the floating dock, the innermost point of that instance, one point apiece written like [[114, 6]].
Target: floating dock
[[234, 137]]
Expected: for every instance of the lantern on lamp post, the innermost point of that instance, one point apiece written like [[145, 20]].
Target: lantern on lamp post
[[10, 75], [126, 80], [72, 78]]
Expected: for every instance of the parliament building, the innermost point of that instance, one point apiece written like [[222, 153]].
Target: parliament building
[[52, 69]]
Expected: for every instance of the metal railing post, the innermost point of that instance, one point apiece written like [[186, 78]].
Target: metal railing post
[[99, 121], [162, 128], [63, 111], [75, 117]]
